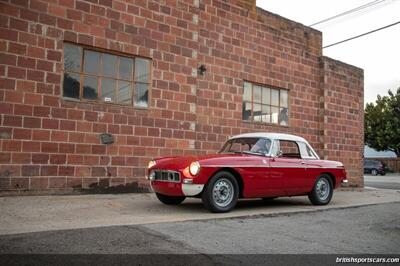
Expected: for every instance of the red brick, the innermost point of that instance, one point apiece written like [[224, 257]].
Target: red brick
[[66, 148], [14, 121], [11, 145], [39, 183], [26, 86], [5, 158], [40, 158], [21, 133], [14, 96], [35, 75], [21, 158], [73, 182], [50, 147], [5, 183], [57, 182], [20, 183], [41, 111], [30, 170], [7, 84], [50, 123], [98, 171], [66, 170], [43, 135], [90, 182], [34, 99], [58, 158], [31, 146], [8, 59], [32, 122]]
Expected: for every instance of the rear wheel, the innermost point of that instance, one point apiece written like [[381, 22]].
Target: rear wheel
[[170, 200], [221, 193], [322, 191]]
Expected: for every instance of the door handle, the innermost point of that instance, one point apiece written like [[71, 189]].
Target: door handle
[[303, 163]]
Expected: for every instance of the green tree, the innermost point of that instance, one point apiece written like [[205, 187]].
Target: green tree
[[382, 123]]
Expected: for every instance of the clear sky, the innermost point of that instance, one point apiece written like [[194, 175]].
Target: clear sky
[[378, 53]]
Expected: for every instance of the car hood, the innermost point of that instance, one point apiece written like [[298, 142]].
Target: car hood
[[181, 162]]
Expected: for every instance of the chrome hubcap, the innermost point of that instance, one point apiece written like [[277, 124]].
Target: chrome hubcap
[[223, 192], [323, 189]]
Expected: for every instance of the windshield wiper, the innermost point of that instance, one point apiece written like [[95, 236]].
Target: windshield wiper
[[254, 153]]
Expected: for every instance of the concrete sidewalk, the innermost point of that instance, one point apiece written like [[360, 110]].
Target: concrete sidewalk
[[43, 213]]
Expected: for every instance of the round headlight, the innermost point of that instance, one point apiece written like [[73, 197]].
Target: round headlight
[[194, 168], [151, 164]]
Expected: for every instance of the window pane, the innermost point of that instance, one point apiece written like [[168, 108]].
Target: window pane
[[141, 93], [108, 89], [283, 117], [91, 62], [274, 114], [110, 65], [257, 94], [266, 113], [275, 97], [247, 91], [141, 70], [90, 87], [125, 92], [246, 111], [284, 98], [257, 112], [266, 96], [125, 68], [72, 57], [71, 85]]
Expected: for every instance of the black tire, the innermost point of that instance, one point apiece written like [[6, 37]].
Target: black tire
[[170, 200], [317, 198], [225, 181], [374, 172]]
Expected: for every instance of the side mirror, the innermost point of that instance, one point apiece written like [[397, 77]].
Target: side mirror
[[279, 154]]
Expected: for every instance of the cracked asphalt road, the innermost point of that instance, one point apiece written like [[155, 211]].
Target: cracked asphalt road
[[369, 229]]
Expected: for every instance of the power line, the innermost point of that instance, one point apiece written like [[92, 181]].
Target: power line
[[369, 4], [366, 33]]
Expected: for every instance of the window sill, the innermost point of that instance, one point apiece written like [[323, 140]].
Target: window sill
[[263, 124], [103, 103]]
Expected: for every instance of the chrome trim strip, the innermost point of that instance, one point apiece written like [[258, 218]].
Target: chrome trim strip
[[267, 166]]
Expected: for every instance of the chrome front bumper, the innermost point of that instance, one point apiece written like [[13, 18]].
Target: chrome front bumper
[[345, 183]]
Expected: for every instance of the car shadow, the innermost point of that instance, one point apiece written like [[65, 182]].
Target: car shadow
[[246, 204]]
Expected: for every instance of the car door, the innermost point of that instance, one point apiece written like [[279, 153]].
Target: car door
[[288, 166], [257, 175]]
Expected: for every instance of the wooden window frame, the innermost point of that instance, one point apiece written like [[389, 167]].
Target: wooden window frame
[[260, 102], [101, 76]]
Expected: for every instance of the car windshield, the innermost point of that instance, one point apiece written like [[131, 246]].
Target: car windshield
[[247, 145]]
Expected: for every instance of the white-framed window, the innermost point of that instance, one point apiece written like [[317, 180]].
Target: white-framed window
[[265, 104], [97, 75]]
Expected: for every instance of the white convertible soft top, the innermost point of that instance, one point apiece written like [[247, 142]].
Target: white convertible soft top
[[271, 136], [276, 136]]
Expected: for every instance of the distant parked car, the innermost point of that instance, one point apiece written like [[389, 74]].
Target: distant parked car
[[374, 167]]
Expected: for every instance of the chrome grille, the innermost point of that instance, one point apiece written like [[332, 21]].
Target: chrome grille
[[167, 176]]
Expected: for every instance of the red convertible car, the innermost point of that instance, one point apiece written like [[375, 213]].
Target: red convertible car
[[252, 165]]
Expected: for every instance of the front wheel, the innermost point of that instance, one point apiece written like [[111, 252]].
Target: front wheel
[[374, 172], [221, 193], [170, 200], [322, 191]]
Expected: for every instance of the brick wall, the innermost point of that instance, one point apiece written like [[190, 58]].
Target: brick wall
[[49, 143]]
